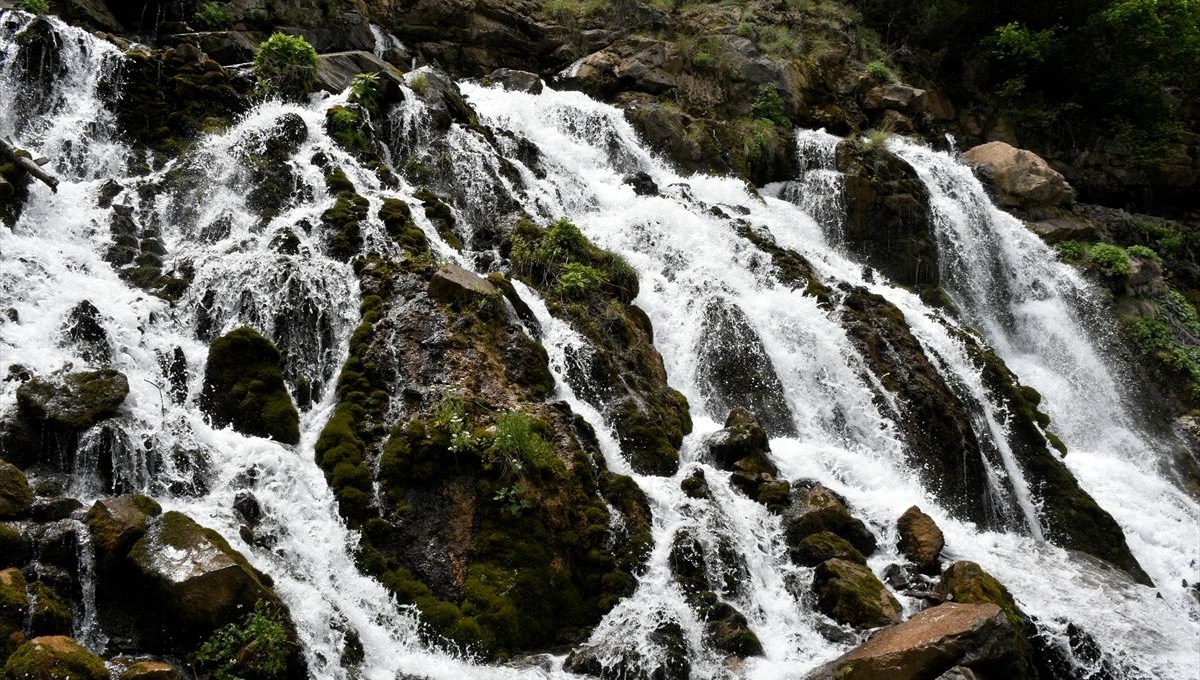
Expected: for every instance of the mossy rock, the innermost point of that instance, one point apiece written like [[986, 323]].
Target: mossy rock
[[244, 388], [849, 593], [14, 545], [55, 657], [814, 509], [824, 545], [397, 220], [49, 615], [16, 498], [149, 669], [115, 524], [80, 401], [967, 583], [14, 610]]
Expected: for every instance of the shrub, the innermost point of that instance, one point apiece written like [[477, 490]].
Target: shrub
[[1143, 252], [769, 105], [702, 59], [579, 281], [258, 648], [214, 15], [364, 89], [1108, 259], [519, 446], [879, 71], [35, 6], [286, 65]]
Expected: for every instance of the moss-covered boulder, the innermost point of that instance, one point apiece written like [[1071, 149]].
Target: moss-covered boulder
[[822, 546], [55, 657], [14, 545], [743, 449], [813, 509], [48, 613], [14, 610], [849, 593], [15, 496], [967, 583], [115, 524], [78, 402], [921, 540], [244, 387], [702, 576]]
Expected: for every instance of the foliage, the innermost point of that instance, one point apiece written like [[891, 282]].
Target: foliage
[[364, 90], [452, 416], [1143, 252], [286, 65], [1105, 258], [879, 70], [518, 445], [512, 498], [769, 105], [255, 650], [419, 84], [36, 6], [578, 281], [214, 16]]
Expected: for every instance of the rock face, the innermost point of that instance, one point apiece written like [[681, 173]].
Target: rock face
[[243, 387], [849, 593], [1020, 178], [975, 636], [887, 214], [15, 496], [54, 658], [921, 540], [737, 372]]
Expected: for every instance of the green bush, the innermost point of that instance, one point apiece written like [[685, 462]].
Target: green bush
[[286, 66], [1143, 252], [879, 71], [769, 105], [519, 446], [579, 281], [214, 16], [364, 90], [35, 6], [1108, 259], [255, 650]]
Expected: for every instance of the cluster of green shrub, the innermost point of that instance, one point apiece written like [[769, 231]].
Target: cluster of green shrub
[[1082, 69], [257, 648], [286, 66]]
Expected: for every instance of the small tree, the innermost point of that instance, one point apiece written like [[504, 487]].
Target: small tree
[[286, 65]]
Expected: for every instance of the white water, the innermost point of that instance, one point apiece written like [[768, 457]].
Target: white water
[[685, 256]]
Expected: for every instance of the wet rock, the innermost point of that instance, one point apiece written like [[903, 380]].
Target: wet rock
[[743, 449], [888, 221], [247, 508], [814, 508], [1019, 178], [54, 658], [670, 643], [454, 284], [517, 81], [244, 388], [967, 583], [958, 673], [14, 545], [226, 47], [54, 509], [734, 370], [921, 540], [695, 486], [819, 547], [849, 593], [148, 669], [48, 614], [84, 329], [441, 96], [116, 524], [1065, 227], [14, 609], [335, 72], [975, 636], [78, 402], [16, 498], [642, 183], [175, 370]]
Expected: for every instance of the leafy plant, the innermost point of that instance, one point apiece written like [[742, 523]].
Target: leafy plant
[[579, 281], [214, 15], [256, 649], [518, 446], [364, 90], [769, 105], [702, 59], [35, 6], [452, 415], [512, 498], [286, 65], [1108, 259], [879, 71], [1143, 252]]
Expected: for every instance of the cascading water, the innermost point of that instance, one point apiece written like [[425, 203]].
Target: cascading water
[[690, 260]]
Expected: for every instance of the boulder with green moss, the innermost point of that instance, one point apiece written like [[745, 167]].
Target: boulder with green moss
[[849, 593], [48, 613], [14, 610], [824, 545], [54, 657], [115, 524], [244, 387], [76, 403], [967, 583], [15, 496], [813, 508]]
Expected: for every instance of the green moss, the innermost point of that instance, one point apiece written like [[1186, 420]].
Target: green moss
[[849, 593], [244, 387], [14, 609], [343, 223], [54, 658], [257, 649], [825, 545], [350, 129], [13, 545], [49, 615], [968, 583], [397, 219]]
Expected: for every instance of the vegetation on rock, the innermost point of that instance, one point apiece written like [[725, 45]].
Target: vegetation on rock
[[244, 387], [286, 66]]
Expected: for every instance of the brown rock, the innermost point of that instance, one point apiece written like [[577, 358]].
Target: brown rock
[[1020, 178], [150, 669], [453, 283], [921, 540], [15, 496], [117, 523], [850, 593], [975, 636]]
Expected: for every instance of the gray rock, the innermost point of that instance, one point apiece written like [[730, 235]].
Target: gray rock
[[78, 402], [453, 283], [519, 81], [336, 71]]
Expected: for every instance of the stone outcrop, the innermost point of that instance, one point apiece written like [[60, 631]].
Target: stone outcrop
[[244, 387], [1019, 178]]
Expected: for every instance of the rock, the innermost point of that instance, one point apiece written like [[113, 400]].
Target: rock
[[84, 329], [958, 673], [441, 96], [16, 498], [814, 508], [670, 645], [888, 221], [454, 284], [80, 401], [14, 609], [518, 81], [248, 508], [734, 370], [642, 183], [149, 669], [54, 509], [198, 581], [896, 97], [822, 546], [116, 524], [244, 388], [695, 486], [635, 63], [849, 593], [335, 72], [967, 583], [921, 540], [1020, 178], [55, 657], [14, 545], [48, 614], [975, 636], [743, 449], [227, 47], [1061, 228]]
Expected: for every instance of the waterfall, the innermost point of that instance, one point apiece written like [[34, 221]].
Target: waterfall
[[685, 245]]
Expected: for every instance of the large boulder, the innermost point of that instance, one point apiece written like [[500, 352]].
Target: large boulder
[[850, 593], [15, 496], [967, 583], [454, 284], [244, 388], [743, 449], [896, 97], [1019, 178], [975, 636], [813, 508], [734, 370], [115, 524], [822, 546], [921, 540], [335, 72], [77, 402], [55, 657]]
